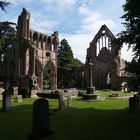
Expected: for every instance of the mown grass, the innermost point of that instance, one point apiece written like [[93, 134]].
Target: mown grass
[[120, 93], [99, 120]]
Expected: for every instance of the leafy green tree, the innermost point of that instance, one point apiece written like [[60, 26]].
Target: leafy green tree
[[131, 35], [3, 4], [67, 64], [7, 42], [65, 58], [46, 77]]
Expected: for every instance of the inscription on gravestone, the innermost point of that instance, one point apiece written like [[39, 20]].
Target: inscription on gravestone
[[41, 124]]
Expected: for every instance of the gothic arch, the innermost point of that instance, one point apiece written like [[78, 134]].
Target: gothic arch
[[30, 53], [53, 73]]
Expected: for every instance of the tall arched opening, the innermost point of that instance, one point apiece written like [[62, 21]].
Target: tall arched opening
[[49, 76]]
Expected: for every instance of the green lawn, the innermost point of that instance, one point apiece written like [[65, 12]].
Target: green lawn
[[99, 120]]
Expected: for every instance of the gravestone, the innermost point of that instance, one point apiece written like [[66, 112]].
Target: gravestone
[[15, 91], [61, 102], [131, 105], [33, 93], [40, 122], [69, 100], [6, 96], [19, 98], [1, 91]]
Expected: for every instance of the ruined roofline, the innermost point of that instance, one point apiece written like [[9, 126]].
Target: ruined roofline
[[99, 34], [39, 33]]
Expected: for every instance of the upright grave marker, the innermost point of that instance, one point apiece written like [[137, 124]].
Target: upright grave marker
[[40, 123]]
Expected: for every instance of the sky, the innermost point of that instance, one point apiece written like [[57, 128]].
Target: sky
[[76, 20]]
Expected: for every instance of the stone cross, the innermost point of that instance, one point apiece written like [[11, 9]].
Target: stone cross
[[40, 123]]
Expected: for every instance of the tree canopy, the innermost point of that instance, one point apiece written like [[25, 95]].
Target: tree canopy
[[67, 64], [131, 36], [7, 38], [3, 4], [132, 25]]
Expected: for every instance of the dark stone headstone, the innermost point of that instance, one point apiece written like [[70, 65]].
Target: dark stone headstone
[[131, 105], [61, 102], [6, 96], [41, 124], [136, 101]]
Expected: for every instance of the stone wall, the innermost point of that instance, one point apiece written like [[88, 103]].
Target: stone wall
[[106, 59], [34, 50]]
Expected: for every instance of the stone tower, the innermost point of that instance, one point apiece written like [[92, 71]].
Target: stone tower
[[106, 59]]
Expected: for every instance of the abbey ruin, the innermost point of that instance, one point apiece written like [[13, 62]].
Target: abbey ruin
[[34, 51], [108, 66]]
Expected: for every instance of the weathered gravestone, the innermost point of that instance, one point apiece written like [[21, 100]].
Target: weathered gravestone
[[1, 91], [133, 103], [61, 102], [69, 101], [15, 91], [6, 96], [19, 98], [40, 122]]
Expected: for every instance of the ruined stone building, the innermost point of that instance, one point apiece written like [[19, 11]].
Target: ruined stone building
[[34, 51], [107, 65]]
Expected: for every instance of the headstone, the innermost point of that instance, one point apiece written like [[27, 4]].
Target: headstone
[[7, 102], [33, 93], [61, 102], [15, 91], [69, 100], [1, 92], [19, 98], [1, 98], [40, 122], [136, 101], [131, 105]]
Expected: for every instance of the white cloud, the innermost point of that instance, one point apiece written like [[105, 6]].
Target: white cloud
[[79, 44], [93, 20], [41, 23], [126, 54], [59, 6], [13, 2]]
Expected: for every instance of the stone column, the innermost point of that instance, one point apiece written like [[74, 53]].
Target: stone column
[[90, 74], [32, 61], [90, 89]]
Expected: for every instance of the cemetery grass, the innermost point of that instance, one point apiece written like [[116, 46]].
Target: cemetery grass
[[103, 120]]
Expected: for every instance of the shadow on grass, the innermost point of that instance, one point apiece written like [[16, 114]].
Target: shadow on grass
[[90, 123], [73, 124]]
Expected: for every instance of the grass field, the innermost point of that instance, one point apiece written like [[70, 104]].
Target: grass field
[[99, 120]]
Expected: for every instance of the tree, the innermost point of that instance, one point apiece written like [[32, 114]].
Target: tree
[[3, 4], [7, 42], [67, 65], [65, 57], [131, 35]]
